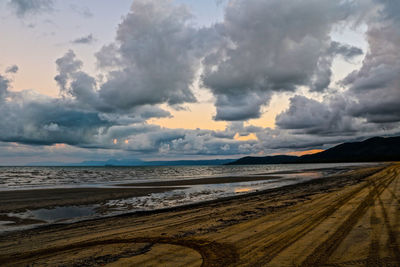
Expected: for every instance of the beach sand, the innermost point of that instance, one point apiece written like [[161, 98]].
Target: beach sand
[[350, 219], [21, 200], [201, 181]]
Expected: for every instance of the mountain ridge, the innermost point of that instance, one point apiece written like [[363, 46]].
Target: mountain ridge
[[369, 150]]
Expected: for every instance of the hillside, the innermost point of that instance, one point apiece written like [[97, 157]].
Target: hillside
[[370, 150], [265, 160]]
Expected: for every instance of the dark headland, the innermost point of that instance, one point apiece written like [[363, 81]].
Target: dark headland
[[371, 150]]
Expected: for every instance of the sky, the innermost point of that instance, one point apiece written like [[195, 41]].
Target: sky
[[185, 79]]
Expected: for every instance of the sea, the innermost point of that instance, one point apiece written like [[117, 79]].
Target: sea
[[30, 178]]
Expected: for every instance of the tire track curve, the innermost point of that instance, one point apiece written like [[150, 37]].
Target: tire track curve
[[214, 254]]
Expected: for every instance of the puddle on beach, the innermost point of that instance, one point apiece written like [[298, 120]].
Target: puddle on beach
[[309, 175], [194, 194], [242, 190], [31, 218], [173, 198], [58, 214], [63, 213], [184, 196]]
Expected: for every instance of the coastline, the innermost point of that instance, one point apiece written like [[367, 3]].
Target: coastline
[[21, 200], [29, 208], [213, 220]]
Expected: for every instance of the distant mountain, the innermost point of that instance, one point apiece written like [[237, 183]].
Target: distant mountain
[[188, 162], [373, 149], [265, 160], [135, 162], [111, 162], [370, 150]]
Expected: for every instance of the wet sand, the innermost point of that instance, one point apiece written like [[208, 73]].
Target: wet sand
[[22, 200], [201, 181], [15, 201], [350, 219]]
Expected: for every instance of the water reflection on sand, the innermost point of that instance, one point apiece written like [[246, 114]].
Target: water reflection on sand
[[286, 175], [242, 190]]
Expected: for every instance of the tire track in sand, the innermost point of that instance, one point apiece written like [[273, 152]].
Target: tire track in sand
[[392, 242], [376, 229], [214, 254], [322, 253], [299, 228]]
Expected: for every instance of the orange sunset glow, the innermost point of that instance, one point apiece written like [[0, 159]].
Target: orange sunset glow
[[305, 152]]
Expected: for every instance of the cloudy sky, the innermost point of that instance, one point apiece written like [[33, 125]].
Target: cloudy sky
[[187, 79]]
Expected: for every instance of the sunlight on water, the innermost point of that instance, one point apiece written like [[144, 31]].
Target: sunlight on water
[[17, 178], [63, 213], [12, 178], [242, 190]]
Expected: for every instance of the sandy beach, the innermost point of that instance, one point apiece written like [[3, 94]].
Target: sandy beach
[[202, 181], [11, 201], [348, 219]]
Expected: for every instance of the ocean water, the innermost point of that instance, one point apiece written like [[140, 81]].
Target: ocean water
[[17, 178], [25, 178]]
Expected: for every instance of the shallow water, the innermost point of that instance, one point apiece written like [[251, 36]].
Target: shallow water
[[63, 213], [14, 178], [17, 178]]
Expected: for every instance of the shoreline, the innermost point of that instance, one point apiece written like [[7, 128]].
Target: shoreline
[[16, 205], [232, 224], [21, 200], [188, 206], [203, 181]]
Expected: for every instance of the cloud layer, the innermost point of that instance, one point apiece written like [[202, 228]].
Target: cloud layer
[[261, 48], [273, 46], [88, 39], [23, 8]]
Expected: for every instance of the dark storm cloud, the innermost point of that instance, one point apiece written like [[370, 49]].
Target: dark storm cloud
[[29, 7], [12, 69], [272, 46], [391, 9], [260, 48], [308, 116], [84, 90], [84, 40], [155, 57], [31, 120], [78, 118], [239, 128], [376, 85], [323, 74], [154, 139], [308, 123], [76, 83], [67, 65], [4, 83], [286, 140], [346, 51], [273, 140], [369, 105], [240, 107]]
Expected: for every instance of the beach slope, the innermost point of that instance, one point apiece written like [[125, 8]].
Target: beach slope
[[351, 219]]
